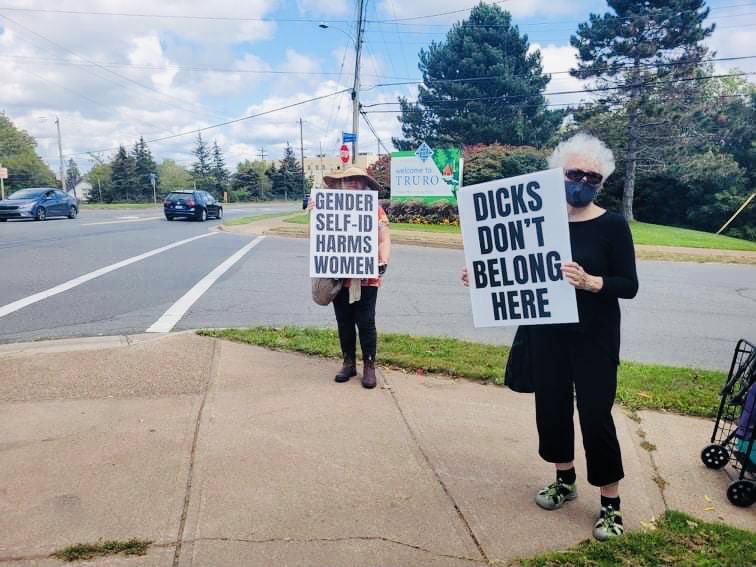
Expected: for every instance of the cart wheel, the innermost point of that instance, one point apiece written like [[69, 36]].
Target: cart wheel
[[741, 493], [715, 456]]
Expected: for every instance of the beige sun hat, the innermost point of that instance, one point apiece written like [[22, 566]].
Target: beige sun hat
[[352, 171]]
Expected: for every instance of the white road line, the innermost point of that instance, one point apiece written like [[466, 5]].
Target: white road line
[[141, 219], [176, 311], [21, 303]]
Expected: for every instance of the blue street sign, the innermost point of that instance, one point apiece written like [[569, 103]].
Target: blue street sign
[[347, 137]]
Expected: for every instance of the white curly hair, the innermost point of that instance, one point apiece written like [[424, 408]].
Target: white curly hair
[[583, 148]]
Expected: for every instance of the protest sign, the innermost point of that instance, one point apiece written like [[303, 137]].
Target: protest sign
[[344, 234], [516, 237]]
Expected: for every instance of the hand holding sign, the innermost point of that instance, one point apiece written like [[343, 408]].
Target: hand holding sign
[[516, 241]]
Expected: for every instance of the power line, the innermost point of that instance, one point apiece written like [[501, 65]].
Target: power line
[[122, 77], [514, 76], [557, 93], [226, 123], [373, 130], [165, 16]]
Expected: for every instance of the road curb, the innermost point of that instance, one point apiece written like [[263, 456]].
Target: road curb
[[83, 343]]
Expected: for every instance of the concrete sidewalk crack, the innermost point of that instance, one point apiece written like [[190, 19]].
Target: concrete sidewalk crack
[[328, 540], [212, 374], [437, 476]]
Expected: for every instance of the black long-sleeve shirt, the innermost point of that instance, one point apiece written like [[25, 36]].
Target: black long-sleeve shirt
[[604, 247]]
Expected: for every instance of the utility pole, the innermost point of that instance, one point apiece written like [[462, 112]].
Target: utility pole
[[356, 87], [301, 154], [261, 154], [60, 156], [99, 189]]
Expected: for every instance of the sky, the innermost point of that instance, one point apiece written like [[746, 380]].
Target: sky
[[114, 70]]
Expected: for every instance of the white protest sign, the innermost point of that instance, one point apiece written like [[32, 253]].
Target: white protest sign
[[344, 234], [516, 237]]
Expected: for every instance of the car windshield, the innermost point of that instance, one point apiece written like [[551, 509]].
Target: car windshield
[[28, 193]]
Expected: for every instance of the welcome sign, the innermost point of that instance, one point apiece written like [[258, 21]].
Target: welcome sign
[[516, 237], [344, 234], [426, 174]]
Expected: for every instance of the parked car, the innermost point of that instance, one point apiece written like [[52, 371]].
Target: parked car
[[40, 203], [196, 205]]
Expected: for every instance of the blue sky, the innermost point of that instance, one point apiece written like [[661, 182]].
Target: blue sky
[[112, 77]]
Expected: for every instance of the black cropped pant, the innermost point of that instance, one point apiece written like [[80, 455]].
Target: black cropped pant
[[361, 315], [567, 360]]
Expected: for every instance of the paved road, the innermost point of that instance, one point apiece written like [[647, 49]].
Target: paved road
[[686, 314]]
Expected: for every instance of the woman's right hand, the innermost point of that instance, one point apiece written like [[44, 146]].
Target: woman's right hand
[[311, 205], [465, 278]]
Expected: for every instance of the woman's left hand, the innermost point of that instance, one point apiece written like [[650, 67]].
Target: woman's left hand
[[578, 278]]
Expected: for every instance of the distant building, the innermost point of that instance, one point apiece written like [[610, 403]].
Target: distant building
[[84, 191], [320, 165]]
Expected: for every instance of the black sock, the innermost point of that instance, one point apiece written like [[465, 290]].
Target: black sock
[[613, 502], [566, 477]]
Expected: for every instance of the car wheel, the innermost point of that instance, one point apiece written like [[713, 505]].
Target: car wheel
[[168, 217], [72, 212], [41, 214], [220, 213], [202, 215], [3, 220]]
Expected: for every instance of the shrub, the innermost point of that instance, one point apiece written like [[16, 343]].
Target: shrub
[[416, 212], [496, 161]]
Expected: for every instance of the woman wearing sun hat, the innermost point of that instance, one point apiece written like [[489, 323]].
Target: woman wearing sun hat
[[355, 304]]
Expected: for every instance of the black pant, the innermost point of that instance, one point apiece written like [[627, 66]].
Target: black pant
[[565, 358], [361, 314]]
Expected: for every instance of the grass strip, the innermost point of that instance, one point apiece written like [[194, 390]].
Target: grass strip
[[659, 235], [643, 233], [84, 551], [120, 206], [640, 386], [253, 218], [673, 539]]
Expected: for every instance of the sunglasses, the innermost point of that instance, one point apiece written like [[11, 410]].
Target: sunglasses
[[591, 177]]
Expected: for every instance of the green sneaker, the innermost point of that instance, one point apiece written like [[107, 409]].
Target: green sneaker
[[607, 526], [555, 495]]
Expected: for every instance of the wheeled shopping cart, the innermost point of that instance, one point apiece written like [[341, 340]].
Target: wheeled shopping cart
[[735, 429]]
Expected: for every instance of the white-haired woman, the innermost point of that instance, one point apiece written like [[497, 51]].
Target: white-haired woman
[[580, 360]]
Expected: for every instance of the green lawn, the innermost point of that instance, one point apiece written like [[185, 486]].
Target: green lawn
[[252, 218], [120, 206], [659, 235], [643, 233], [674, 539], [641, 386]]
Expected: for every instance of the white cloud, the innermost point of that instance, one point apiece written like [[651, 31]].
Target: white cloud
[[557, 59]]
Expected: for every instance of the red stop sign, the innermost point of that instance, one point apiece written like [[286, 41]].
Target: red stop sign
[[344, 153]]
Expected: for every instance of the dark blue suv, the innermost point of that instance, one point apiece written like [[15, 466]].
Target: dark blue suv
[[39, 203], [197, 205]]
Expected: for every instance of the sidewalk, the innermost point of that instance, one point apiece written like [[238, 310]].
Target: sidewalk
[[226, 454], [279, 227]]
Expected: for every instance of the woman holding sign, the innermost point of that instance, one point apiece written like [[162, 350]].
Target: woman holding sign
[[355, 304], [583, 357]]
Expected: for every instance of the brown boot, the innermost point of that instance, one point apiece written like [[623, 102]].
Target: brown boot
[[347, 371], [368, 374]]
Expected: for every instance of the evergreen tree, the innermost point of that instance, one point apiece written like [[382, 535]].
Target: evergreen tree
[[202, 168], [73, 177], [18, 152], [288, 178], [638, 50], [144, 165], [220, 176], [246, 182], [480, 86], [122, 174]]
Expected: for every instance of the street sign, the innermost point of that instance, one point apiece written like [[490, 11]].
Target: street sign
[[348, 137], [3, 173], [344, 153]]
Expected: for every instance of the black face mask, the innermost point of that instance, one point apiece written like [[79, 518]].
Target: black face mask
[[579, 194]]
